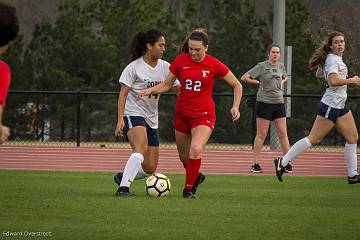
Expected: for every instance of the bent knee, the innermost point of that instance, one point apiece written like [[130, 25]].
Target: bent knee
[[196, 151], [353, 138]]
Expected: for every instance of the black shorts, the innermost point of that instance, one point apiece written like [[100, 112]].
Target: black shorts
[[270, 111], [331, 113], [152, 134]]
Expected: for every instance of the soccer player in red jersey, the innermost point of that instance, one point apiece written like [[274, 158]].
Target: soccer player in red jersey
[[195, 109], [9, 28]]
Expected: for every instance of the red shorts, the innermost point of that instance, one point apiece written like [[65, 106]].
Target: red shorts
[[184, 124]]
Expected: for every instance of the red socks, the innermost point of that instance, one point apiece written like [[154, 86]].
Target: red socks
[[192, 172]]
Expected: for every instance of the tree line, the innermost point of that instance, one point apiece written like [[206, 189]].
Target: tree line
[[86, 48]]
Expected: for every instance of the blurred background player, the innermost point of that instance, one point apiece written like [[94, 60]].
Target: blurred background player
[[9, 28], [195, 109], [269, 75], [138, 119], [332, 109]]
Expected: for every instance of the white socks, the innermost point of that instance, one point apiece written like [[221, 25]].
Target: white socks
[[303, 144], [299, 147], [141, 174], [132, 167], [351, 159]]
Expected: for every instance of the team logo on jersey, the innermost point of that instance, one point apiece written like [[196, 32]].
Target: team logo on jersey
[[205, 73]]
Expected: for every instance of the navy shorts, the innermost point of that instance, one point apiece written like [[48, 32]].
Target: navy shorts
[[152, 134], [331, 113], [270, 111]]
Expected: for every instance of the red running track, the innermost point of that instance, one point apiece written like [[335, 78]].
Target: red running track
[[113, 160]]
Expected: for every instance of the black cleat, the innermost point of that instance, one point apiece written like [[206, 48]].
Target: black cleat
[[187, 193], [288, 168], [255, 168], [123, 192], [279, 168], [199, 180], [118, 177], [353, 180]]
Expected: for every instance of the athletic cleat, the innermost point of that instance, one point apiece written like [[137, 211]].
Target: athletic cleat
[[123, 192], [187, 193], [288, 168], [255, 168], [118, 177], [354, 179], [199, 180], [279, 168]]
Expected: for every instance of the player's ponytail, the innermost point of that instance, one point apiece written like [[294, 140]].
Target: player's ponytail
[[137, 46], [140, 40]]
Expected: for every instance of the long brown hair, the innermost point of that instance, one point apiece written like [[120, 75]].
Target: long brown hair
[[198, 34], [319, 56]]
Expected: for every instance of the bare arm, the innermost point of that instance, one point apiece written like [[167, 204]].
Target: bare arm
[[247, 78], [160, 88], [237, 88], [124, 91], [334, 80], [283, 80], [176, 90]]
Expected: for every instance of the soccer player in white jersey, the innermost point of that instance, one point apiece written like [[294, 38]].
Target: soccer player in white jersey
[[332, 110], [138, 119]]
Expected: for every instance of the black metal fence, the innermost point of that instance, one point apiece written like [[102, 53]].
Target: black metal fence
[[79, 118]]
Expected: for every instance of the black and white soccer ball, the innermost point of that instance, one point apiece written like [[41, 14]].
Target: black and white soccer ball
[[157, 185]]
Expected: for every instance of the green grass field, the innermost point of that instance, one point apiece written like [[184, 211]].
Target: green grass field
[[82, 206]]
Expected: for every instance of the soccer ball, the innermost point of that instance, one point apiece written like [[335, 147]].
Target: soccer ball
[[157, 185]]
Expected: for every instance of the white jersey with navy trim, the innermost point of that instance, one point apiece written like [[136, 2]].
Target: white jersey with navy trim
[[139, 75], [335, 96]]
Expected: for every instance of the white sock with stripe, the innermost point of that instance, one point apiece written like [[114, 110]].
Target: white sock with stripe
[[351, 159], [299, 147], [131, 169]]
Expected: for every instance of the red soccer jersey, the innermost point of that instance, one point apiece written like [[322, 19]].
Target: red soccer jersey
[[197, 82], [5, 77]]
